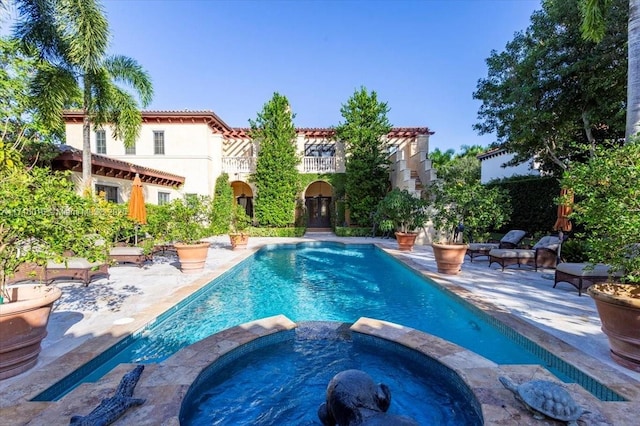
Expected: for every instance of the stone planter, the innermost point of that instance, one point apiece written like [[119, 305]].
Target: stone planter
[[619, 309], [406, 240], [192, 256], [23, 325], [239, 241], [449, 257]]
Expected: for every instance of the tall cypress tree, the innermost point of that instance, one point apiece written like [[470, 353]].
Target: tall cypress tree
[[276, 177], [222, 206], [367, 166]]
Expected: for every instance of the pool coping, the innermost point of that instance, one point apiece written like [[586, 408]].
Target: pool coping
[[17, 406], [164, 385]]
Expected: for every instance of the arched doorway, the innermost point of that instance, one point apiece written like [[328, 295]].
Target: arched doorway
[[318, 202], [243, 195]]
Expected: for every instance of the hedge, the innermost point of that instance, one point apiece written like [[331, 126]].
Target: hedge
[[533, 202]]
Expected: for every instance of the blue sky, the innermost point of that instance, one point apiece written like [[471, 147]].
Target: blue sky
[[423, 58]]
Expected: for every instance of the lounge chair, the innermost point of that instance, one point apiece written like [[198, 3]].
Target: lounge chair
[[510, 240], [543, 254], [31, 272], [128, 255], [76, 269], [583, 275]]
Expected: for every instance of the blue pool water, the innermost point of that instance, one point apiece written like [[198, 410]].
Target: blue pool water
[[327, 282], [285, 383], [308, 282]]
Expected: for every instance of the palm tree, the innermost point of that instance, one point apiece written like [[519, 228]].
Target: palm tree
[[70, 38], [593, 28]]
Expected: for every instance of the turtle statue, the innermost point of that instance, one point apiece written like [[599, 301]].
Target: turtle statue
[[545, 398]]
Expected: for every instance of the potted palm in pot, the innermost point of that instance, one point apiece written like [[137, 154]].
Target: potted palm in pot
[[608, 206], [402, 212], [186, 228], [462, 208]]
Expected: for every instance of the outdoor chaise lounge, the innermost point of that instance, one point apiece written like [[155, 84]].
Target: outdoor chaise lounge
[[583, 275], [509, 241], [543, 254], [76, 269], [28, 272], [128, 255], [71, 268]]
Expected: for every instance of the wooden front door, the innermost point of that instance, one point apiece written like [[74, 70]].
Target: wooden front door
[[319, 211]]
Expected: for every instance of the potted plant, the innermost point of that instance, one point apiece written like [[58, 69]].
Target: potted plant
[[402, 212], [240, 221], [462, 208], [186, 228], [608, 205], [25, 308]]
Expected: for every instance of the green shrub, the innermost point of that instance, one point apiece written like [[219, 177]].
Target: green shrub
[[532, 201], [607, 204], [344, 231], [400, 211], [240, 220], [478, 207], [222, 206], [276, 232], [575, 250], [187, 219]]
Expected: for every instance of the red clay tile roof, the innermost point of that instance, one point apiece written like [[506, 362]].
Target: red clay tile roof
[[493, 152], [218, 126], [71, 159], [207, 117], [396, 132]]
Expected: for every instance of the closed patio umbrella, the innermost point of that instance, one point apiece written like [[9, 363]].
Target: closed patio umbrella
[[137, 209], [563, 224], [564, 210]]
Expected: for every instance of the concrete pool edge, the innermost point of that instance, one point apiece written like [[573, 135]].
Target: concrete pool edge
[[164, 385]]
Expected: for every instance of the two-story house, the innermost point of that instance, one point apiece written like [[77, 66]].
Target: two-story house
[[194, 147]]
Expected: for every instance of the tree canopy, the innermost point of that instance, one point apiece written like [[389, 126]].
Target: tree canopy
[[70, 40], [451, 165], [551, 93], [594, 25], [367, 167]]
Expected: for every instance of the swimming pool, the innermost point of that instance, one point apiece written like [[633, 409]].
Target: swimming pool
[[316, 281]]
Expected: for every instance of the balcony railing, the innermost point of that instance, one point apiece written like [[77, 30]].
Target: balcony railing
[[238, 164], [319, 164], [248, 164]]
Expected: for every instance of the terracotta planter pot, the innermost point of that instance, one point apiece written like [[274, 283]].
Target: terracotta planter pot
[[192, 256], [23, 325], [449, 257], [619, 309], [406, 240], [239, 241]]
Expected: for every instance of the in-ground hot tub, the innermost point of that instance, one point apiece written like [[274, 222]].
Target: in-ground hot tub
[[282, 379]]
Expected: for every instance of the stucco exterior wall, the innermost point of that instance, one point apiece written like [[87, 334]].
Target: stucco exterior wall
[[190, 150], [491, 168]]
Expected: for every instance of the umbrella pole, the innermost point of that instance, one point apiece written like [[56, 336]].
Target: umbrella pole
[[136, 235], [561, 237]]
